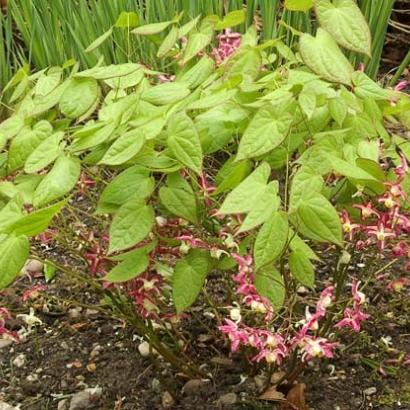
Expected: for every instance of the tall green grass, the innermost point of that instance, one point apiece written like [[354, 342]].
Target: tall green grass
[[54, 31]]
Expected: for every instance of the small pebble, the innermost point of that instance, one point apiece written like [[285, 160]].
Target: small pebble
[[228, 399], [370, 391], [167, 400], [19, 360], [33, 265]]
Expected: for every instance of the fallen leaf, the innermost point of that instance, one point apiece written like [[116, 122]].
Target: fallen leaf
[[296, 398], [272, 394], [91, 367]]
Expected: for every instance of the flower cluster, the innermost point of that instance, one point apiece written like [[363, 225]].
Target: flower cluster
[[244, 279], [271, 346], [382, 219], [229, 41], [354, 317]]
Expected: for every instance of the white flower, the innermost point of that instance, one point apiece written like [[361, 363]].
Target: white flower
[[235, 314], [31, 320]]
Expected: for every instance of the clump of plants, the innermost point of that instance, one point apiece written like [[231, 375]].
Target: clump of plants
[[228, 172]]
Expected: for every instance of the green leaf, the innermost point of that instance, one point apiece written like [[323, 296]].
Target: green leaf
[[365, 87], [179, 198], [298, 5], [298, 244], [232, 174], [151, 29], [127, 19], [78, 97], [131, 267], [189, 277], [11, 212], [302, 269], [271, 239], [131, 224], [98, 41], [14, 252], [25, 142], [165, 93], [346, 23], [134, 181], [183, 141], [233, 18], [36, 222], [45, 154], [322, 55], [168, 42], [124, 148], [266, 131], [264, 205], [321, 219], [110, 71], [197, 74], [58, 182], [47, 83], [348, 169], [188, 27], [242, 198], [305, 182], [49, 272], [307, 102], [197, 41], [9, 128], [338, 110], [212, 100], [269, 284], [126, 81]]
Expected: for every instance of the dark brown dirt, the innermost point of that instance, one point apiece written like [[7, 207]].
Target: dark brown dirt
[[77, 348]]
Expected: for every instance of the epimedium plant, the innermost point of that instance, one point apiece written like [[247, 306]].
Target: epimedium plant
[[229, 171]]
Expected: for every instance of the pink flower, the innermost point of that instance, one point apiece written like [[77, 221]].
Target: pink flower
[[401, 249], [325, 299], [236, 336], [354, 317], [347, 225], [316, 347], [381, 233], [229, 41], [401, 85], [367, 210]]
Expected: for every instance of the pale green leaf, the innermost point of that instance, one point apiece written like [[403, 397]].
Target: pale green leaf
[[99, 40], [242, 198], [131, 224], [127, 19], [110, 71], [124, 148], [129, 268], [14, 252], [58, 182], [266, 131], [189, 277], [134, 181], [45, 154], [321, 219], [169, 42], [78, 97], [165, 93], [269, 284], [179, 198], [346, 23], [183, 141], [323, 56], [150, 29], [302, 269], [271, 239], [231, 19]]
